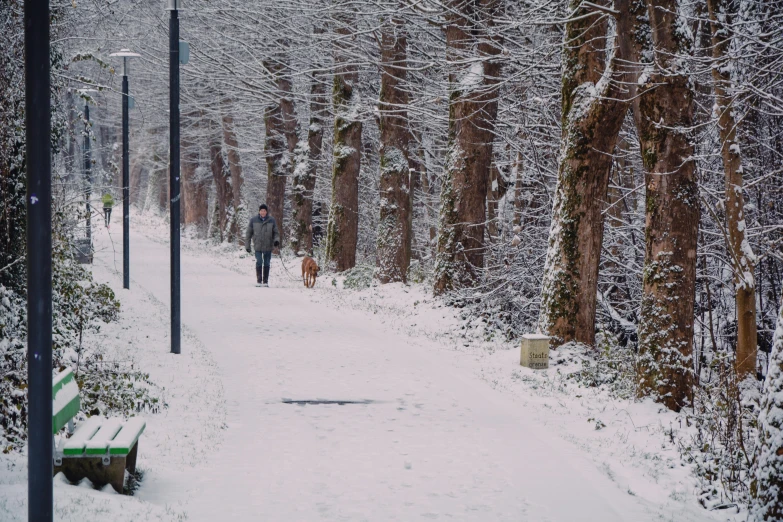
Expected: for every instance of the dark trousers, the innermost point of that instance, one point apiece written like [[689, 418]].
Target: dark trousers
[[107, 215], [263, 259]]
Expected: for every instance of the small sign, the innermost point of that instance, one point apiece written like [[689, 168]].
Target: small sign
[[184, 52], [535, 351]]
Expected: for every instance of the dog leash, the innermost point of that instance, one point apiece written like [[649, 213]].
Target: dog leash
[[290, 276]]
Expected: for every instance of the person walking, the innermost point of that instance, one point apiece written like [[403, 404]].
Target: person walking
[[108, 203], [262, 230]]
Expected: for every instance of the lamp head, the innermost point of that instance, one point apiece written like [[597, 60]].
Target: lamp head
[[125, 54]]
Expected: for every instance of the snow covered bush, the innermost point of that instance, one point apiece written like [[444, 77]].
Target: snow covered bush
[[612, 367], [359, 277], [721, 441], [767, 489], [13, 367], [80, 305]]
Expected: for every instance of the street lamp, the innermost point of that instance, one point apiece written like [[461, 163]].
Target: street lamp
[[173, 7], [126, 55], [85, 93], [38, 134]]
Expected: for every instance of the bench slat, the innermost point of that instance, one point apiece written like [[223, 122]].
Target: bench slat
[[59, 379], [127, 438], [65, 399], [99, 443], [75, 445]]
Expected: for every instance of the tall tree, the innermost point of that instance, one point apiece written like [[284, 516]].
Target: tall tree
[[394, 227], [276, 160], [307, 159], [195, 189], [343, 227], [665, 121], [473, 108], [743, 260], [594, 104], [221, 179], [237, 179], [281, 135]]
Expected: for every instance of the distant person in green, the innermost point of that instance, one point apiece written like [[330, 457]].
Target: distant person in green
[[108, 203]]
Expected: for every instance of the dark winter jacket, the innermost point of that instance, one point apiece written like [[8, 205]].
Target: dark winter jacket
[[264, 234]]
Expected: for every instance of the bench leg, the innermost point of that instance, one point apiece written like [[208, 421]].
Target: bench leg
[[117, 473], [75, 469], [130, 460]]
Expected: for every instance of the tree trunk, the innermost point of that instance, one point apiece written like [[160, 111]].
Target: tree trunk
[[593, 112], [665, 115], [622, 183], [522, 189], [306, 165], [280, 120], [394, 226], [426, 190], [493, 197], [420, 188], [343, 226], [157, 197], [472, 111], [276, 168], [306, 170], [135, 180], [224, 196], [742, 258], [195, 207], [238, 208], [164, 186]]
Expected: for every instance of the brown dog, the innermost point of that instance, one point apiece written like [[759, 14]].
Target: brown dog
[[309, 271]]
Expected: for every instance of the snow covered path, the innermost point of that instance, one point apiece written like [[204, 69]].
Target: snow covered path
[[435, 443]]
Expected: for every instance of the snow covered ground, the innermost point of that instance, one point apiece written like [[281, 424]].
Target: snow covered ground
[[443, 424]]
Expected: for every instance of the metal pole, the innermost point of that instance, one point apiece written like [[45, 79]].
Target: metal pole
[[88, 173], [125, 181], [174, 176], [39, 261]]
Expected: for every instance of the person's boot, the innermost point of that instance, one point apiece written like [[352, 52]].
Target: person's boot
[[266, 275], [258, 276]]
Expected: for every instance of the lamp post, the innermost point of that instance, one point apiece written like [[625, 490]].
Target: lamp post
[[85, 93], [174, 170], [40, 454], [126, 56], [87, 172]]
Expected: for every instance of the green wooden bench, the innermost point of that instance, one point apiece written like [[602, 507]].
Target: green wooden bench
[[99, 449]]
